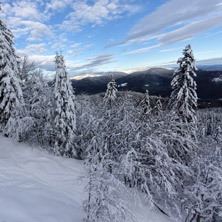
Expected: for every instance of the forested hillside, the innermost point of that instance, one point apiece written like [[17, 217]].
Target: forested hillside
[[157, 80]]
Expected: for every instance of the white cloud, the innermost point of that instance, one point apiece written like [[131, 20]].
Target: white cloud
[[75, 45], [96, 14], [57, 5], [25, 9], [33, 49], [25, 18]]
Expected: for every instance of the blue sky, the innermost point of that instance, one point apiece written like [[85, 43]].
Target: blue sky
[[114, 35]]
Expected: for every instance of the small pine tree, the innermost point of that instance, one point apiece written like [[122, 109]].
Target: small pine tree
[[218, 134], [183, 97], [65, 113], [27, 67], [145, 103], [110, 96], [11, 98], [158, 108]]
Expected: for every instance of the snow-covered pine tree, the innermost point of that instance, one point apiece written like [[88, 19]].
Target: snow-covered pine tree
[[158, 108], [145, 103], [218, 134], [11, 98], [65, 113], [26, 68], [110, 96], [183, 97], [86, 124], [37, 96]]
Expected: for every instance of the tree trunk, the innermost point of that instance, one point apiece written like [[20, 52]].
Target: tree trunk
[[198, 217]]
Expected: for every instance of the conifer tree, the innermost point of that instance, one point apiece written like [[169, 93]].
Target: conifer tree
[[110, 96], [37, 98], [65, 113], [183, 96], [145, 103], [218, 134], [27, 67], [11, 98], [181, 122], [158, 108]]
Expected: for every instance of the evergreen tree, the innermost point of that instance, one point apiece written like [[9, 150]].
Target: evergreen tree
[[27, 67], [11, 98], [65, 113], [86, 126], [184, 97], [37, 98], [218, 134], [158, 108], [110, 96], [145, 103]]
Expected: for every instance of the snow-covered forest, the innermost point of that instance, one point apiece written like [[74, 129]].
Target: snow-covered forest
[[162, 153]]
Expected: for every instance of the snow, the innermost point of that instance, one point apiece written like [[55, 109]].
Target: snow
[[124, 84], [217, 79], [37, 186]]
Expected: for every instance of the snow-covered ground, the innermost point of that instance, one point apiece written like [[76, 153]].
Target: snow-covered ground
[[36, 186]]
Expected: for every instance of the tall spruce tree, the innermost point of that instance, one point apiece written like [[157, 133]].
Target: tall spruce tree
[[65, 113], [11, 98], [183, 96]]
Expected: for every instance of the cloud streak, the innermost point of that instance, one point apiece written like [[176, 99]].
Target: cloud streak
[[174, 14], [190, 30], [146, 49], [96, 61]]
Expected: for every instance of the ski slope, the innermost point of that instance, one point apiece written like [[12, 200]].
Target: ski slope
[[36, 186]]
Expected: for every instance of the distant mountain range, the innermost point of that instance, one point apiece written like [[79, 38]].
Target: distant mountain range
[[156, 80], [210, 67]]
